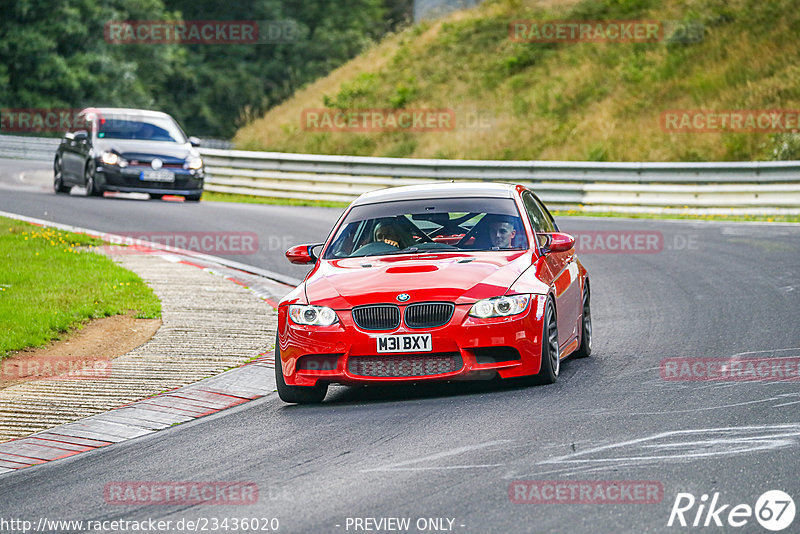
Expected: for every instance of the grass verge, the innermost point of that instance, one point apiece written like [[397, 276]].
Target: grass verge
[[681, 216], [252, 199], [49, 285], [248, 199]]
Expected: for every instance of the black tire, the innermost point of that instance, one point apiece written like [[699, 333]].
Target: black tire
[[58, 177], [296, 394], [193, 198], [551, 359], [585, 349], [92, 189]]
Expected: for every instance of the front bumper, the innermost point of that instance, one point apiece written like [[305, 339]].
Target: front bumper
[[127, 180], [508, 346]]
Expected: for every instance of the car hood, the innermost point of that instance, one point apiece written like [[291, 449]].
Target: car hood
[[146, 150], [460, 278]]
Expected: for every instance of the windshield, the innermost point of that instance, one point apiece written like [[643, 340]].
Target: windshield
[[420, 226], [140, 128]]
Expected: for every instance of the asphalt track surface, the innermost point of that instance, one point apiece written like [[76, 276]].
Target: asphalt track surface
[[453, 451]]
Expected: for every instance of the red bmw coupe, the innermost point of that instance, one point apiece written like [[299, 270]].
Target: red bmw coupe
[[434, 282]]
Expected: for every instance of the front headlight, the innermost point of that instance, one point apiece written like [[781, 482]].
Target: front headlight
[[500, 306], [194, 163], [109, 158], [312, 315]]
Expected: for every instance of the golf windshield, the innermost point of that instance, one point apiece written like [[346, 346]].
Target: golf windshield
[[421, 226], [144, 129]]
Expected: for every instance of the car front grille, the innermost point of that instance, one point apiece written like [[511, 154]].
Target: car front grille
[[379, 317], [387, 316], [405, 365], [428, 314], [147, 161]]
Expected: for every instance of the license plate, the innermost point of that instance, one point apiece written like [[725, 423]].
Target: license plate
[[405, 343], [157, 176]]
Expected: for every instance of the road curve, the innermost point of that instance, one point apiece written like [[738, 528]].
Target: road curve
[[706, 290], [26, 189]]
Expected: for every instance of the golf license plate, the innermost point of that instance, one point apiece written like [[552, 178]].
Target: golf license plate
[[157, 176], [405, 343]]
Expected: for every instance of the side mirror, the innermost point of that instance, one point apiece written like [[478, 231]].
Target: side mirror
[[81, 136], [194, 141], [559, 242], [301, 254]]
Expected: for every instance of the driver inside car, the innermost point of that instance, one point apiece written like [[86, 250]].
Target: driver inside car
[[495, 232], [501, 232]]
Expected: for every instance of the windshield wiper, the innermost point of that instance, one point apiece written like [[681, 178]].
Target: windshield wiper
[[415, 249]]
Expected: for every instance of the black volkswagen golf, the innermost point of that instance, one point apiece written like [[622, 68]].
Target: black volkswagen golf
[[129, 150]]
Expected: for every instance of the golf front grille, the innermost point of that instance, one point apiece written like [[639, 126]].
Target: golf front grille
[[378, 317], [405, 365], [428, 314]]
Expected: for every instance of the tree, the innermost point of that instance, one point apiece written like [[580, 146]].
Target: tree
[[53, 53]]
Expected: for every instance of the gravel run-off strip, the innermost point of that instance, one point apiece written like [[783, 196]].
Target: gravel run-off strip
[[213, 319]]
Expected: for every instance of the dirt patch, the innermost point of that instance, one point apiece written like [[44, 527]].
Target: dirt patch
[[99, 340]]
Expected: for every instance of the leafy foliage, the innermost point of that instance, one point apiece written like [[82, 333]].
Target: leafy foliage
[[53, 54]]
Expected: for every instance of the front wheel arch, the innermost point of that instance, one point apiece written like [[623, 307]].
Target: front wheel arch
[[58, 175], [295, 394], [550, 365], [90, 181]]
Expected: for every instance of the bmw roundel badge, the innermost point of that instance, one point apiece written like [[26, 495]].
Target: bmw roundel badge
[[402, 297]]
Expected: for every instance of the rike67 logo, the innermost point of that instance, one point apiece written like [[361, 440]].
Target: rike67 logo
[[774, 510]]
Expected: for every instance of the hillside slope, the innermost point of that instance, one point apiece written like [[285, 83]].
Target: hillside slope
[[563, 100]]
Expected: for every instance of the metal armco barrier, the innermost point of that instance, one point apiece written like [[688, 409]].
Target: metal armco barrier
[[36, 148], [749, 186], [44, 148], [743, 187]]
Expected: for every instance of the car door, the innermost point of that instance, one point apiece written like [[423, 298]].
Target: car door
[[563, 268], [73, 157]]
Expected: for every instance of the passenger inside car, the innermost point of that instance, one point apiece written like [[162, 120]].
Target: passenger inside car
[[389, 235], [389, 231]]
